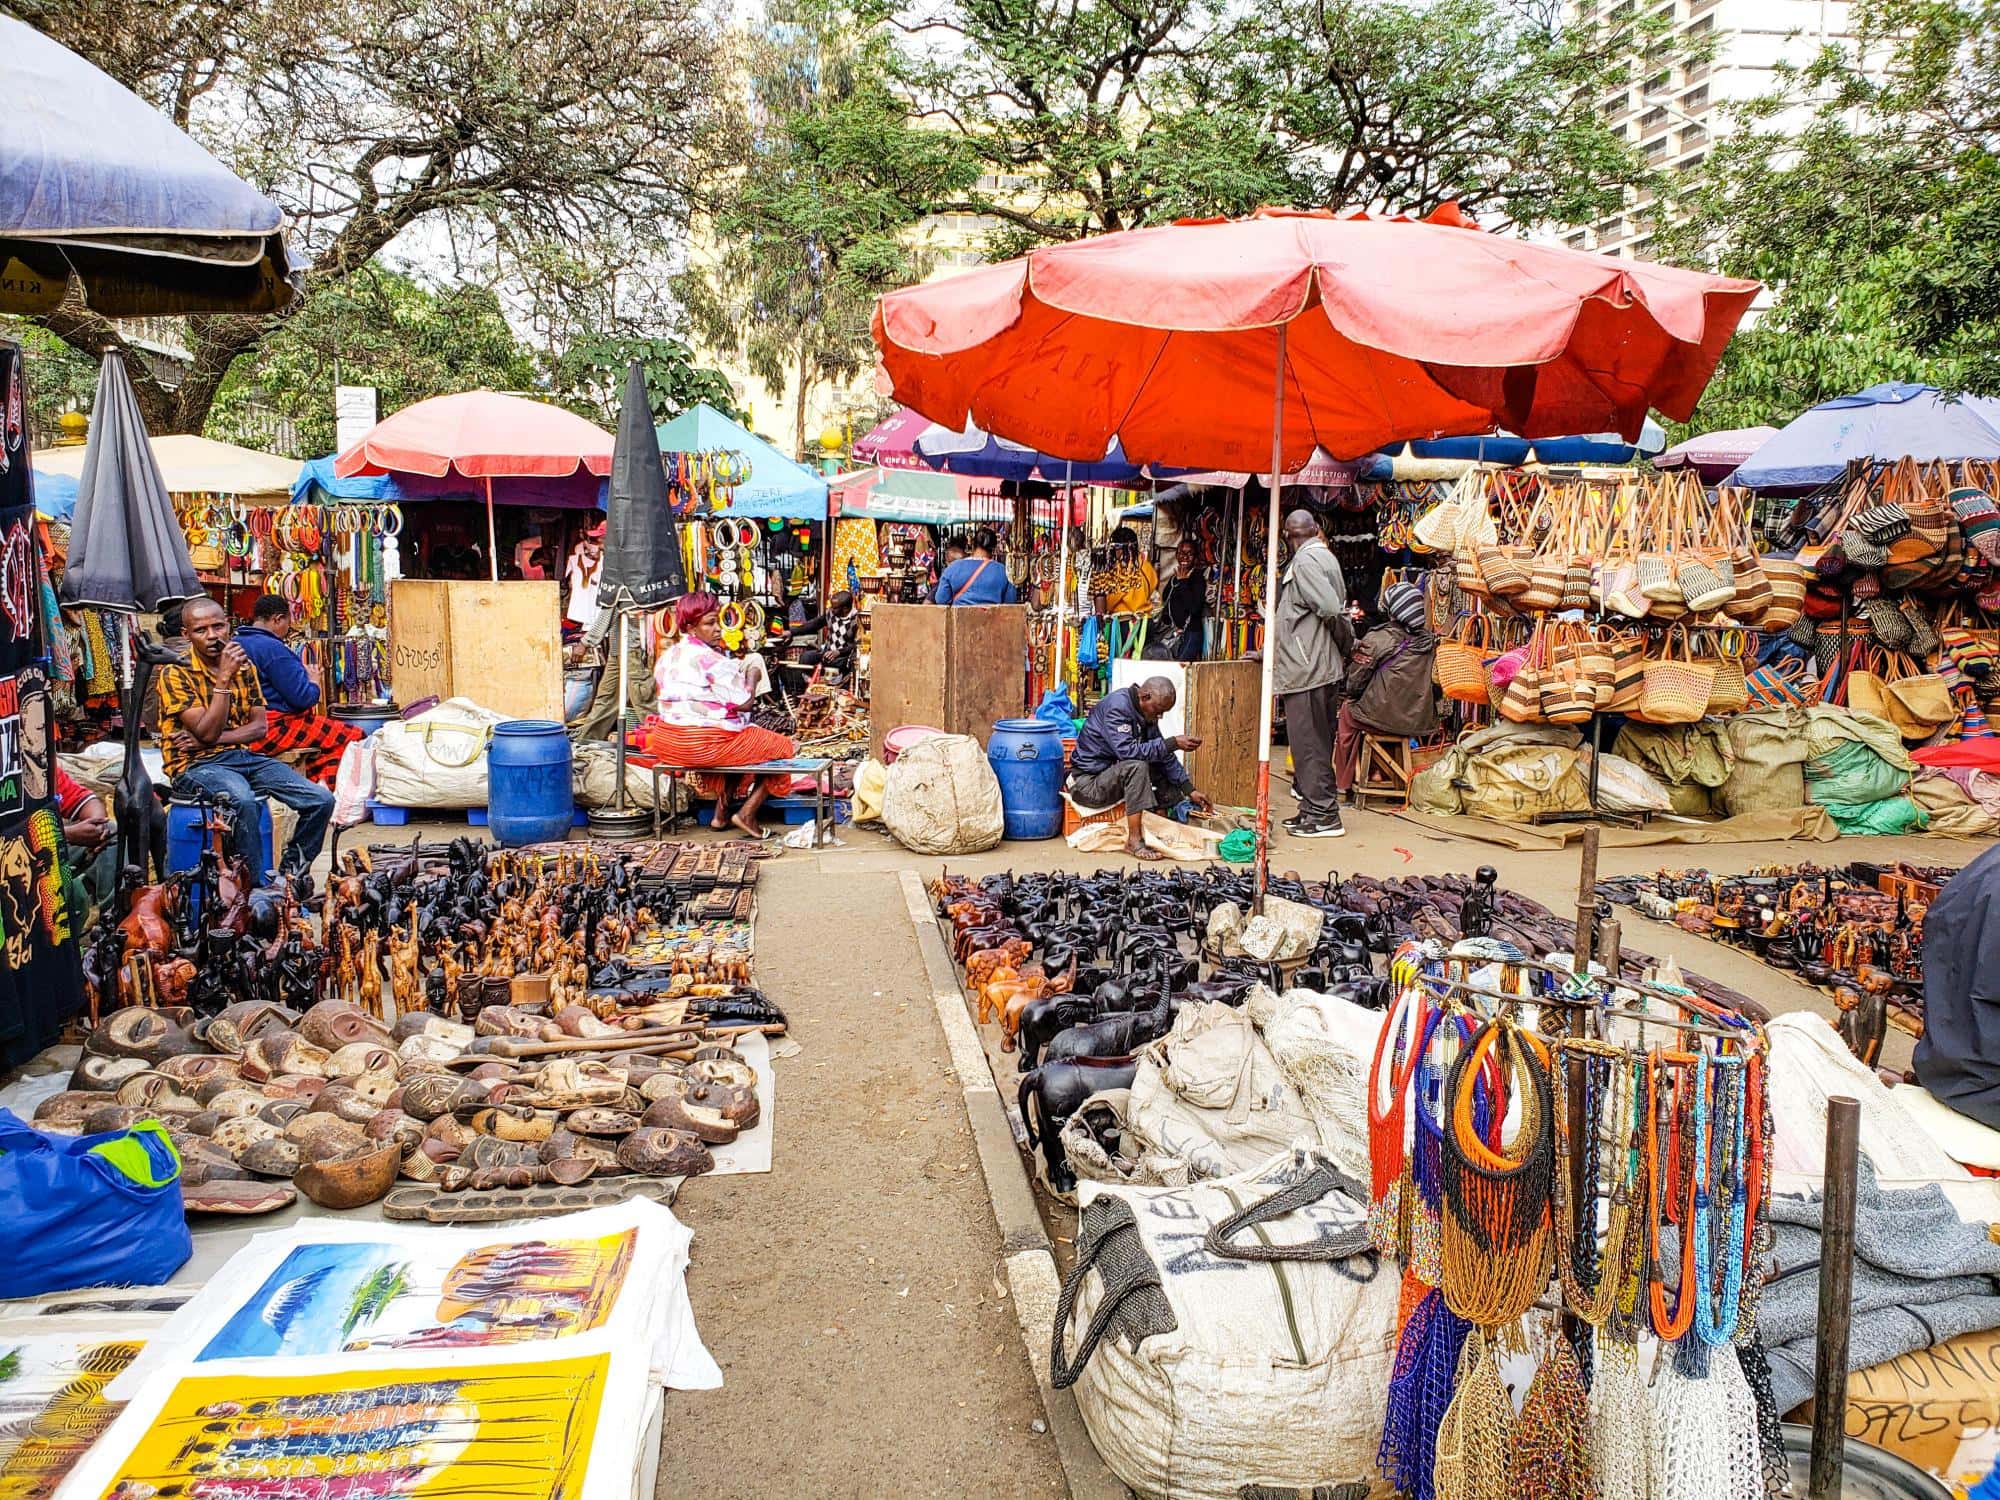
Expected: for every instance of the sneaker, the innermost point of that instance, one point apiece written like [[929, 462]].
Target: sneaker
[[1317, 828]]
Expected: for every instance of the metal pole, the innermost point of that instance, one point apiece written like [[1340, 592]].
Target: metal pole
[[1586, 901], [1269, 655], [492, 542], [1238, 640], [1062, 572], [1836, 1289], [624, 661]]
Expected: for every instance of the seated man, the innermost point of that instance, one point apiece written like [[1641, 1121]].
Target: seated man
[[291, 696], [211, 713], [1122, 756], [89, 835], [1389, 689], [839, 624]]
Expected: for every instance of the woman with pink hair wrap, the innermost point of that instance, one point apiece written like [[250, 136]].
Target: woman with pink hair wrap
[[703, 715]]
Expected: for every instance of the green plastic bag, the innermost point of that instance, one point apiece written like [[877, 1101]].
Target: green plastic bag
[[1852, 774], [1888, 815]]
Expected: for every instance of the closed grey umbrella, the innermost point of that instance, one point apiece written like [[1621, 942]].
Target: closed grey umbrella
[[127, 554], [126, 549]]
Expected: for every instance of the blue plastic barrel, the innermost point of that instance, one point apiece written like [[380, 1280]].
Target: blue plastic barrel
[[528, 795], [187, 835], [1027, 757]]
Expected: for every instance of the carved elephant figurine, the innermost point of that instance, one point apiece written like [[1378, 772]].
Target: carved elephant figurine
[[1057, 1091]]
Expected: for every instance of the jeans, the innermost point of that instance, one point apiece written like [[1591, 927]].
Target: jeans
[[240, 779]]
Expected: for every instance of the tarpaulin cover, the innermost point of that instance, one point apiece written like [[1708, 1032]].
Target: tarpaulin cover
[[642, 545], [1958, 1056], [480, 435], [191, 465], [777, 487], [93, 179], [126, 547], [1881, 424], [1166, 338]]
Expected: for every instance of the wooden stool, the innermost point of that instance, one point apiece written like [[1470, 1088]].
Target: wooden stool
[[1385, 769]]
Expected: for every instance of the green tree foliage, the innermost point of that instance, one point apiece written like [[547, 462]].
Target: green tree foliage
[[510, 133], [59, 378], [379, 328], [1104, 117], [590, 378], [813, 227], [1868, 201]]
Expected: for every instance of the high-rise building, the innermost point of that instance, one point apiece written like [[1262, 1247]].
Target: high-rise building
[[1675, 113]]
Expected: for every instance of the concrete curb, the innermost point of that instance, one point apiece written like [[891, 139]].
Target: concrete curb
[[1024, 1243]]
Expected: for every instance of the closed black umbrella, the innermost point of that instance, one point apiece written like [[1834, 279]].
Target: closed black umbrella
[[642, 544], [127, 554]]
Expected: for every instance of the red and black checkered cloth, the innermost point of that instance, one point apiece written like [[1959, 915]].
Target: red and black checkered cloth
[[319, 740]]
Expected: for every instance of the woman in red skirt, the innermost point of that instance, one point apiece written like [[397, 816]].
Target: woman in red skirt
[[704, 715]]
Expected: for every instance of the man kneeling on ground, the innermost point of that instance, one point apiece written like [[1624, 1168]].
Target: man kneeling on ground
[[1122, 756], [211, 712]]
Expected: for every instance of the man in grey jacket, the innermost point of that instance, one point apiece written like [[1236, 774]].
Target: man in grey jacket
[[1311, 635]]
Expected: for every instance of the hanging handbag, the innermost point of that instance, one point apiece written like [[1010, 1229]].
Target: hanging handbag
[[1459, 666], [1783, 683], [1887, 622], [1924, 639], [1729, 692], [1787, 583], [1676, 687], [1656, 567], [1521, 700], [1628, 671]]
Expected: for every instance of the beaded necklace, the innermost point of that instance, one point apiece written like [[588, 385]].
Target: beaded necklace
[[1497, 1239], [1590, 1275], [1716, 1313], [1424, 1206], [1668, 1326], [1397, 1051]]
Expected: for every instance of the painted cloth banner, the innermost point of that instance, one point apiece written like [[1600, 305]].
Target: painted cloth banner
[[40, 982]]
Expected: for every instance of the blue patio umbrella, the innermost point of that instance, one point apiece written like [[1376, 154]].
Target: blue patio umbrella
[[1879, 425], [982, 455], [97, 184]]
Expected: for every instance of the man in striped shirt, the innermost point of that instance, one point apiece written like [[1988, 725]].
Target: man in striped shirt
[[211, 712]]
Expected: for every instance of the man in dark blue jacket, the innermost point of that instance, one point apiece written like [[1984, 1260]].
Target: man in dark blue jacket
[[1122, 756], [308, 739]]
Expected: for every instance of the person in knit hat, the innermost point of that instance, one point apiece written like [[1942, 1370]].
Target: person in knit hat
[[1389, 685]]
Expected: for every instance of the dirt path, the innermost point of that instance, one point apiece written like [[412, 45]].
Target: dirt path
[[853, 1296]]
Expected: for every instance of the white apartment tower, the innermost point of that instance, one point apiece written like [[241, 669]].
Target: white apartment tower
[[1674, 114]]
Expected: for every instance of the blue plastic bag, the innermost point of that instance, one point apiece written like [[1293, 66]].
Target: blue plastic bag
[[90, 1210], [1056, 705]]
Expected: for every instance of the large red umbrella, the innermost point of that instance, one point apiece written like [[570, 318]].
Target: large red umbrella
[[1244, 344], [480, 435]]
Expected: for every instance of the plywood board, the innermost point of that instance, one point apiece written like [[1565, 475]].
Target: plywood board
[[419, 639], [906, 668], [987, 677], [499, 644], [506, 646], [1221, 707]]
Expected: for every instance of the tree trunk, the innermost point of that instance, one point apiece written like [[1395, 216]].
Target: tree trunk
[[214, 340], [799, 406]]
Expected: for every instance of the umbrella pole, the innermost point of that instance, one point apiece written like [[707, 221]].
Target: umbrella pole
[[624, 661], [492, 542], [1269, 653], [1233, 623], [1062, 572]]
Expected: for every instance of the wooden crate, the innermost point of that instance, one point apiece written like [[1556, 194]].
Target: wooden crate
[[961, 668], [499, 644]]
